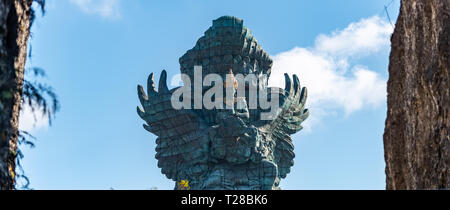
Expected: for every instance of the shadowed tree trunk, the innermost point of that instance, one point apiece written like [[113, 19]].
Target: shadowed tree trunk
[[416, 138], [15, 18]]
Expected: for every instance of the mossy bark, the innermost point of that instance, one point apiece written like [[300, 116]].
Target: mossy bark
[[15, 18]]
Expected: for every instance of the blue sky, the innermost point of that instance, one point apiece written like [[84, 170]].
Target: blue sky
[[95, 52]]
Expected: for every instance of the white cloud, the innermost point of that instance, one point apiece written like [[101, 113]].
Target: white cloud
[[366, 36], [333, 84], [105, 8], [29, 121]]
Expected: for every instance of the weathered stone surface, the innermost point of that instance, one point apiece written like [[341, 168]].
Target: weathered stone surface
[[416, 138], [230, 149]]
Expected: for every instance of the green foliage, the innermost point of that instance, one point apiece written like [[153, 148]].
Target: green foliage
[[20, 177], [41, 98], [41, 5], [6, 94]]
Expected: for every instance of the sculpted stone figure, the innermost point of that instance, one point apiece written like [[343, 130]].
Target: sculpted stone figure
[[233, 148]]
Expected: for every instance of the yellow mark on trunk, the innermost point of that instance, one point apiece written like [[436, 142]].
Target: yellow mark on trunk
[[4, 136], [11, 171]]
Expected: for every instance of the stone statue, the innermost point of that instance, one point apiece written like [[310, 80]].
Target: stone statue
[[225, 149]]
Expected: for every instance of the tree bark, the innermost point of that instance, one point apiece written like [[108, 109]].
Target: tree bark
[[416, 138], [14, 31]]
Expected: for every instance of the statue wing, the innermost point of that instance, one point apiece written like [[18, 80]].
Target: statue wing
[[180, 149], [287, 122]]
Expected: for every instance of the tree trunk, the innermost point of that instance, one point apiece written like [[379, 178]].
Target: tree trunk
[[14, 31], [416, 138]]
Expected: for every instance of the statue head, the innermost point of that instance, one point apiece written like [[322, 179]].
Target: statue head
[[226, 45]]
